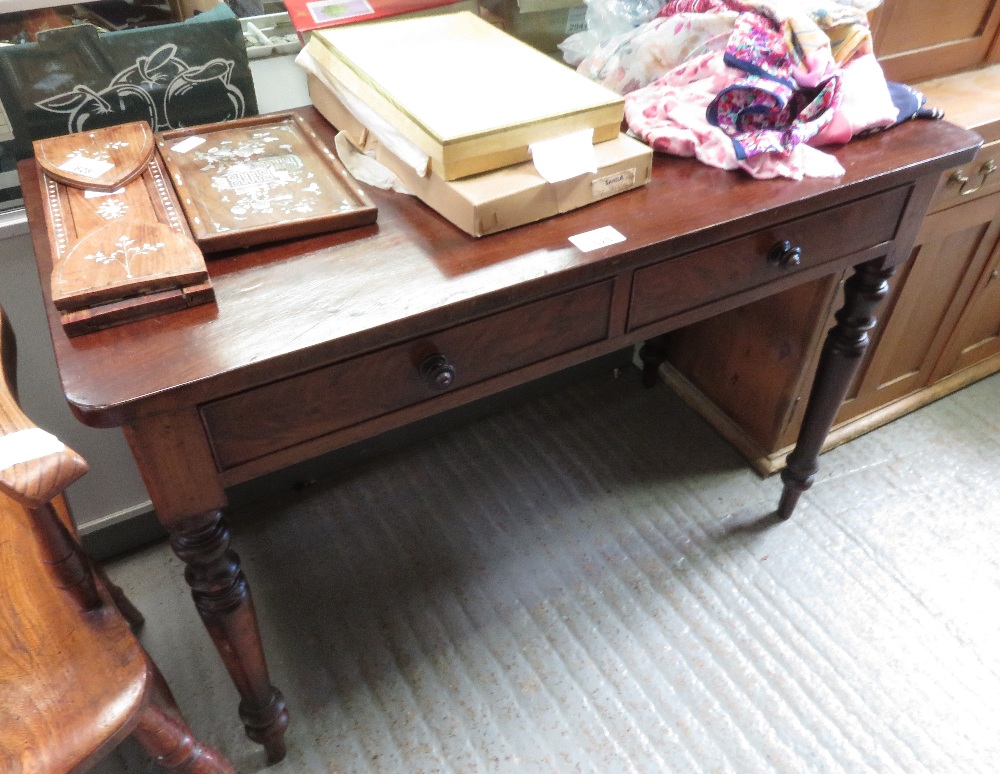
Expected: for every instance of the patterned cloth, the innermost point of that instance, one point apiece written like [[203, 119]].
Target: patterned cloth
[[765, 110], [669, 115], [819, 34], [749, 84], [636, 58], [674, 7]]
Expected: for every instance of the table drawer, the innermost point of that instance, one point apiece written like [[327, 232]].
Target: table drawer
[[690, 280], [970, 181], [282, 414]]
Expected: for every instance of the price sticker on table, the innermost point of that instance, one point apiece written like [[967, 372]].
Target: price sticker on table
[[598, 238]]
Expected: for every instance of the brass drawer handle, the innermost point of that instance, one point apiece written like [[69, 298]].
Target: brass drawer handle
[[785, 255], [437, 372], [961, 179]]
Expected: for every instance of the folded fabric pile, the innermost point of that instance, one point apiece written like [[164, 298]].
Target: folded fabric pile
[[749, 84]]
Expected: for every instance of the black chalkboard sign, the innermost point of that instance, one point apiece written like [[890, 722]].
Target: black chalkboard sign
[[172, 76]]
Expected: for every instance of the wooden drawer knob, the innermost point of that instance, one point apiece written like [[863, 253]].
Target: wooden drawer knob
[[785, 255], [437, 372]]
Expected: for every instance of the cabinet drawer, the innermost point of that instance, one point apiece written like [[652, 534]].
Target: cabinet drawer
[[690, 280], [306, 406], [970, 181]]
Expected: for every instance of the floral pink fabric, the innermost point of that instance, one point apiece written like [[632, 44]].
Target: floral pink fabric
[[669, 115], [765, 110], [789, 77], [638, 57], [674, 7]]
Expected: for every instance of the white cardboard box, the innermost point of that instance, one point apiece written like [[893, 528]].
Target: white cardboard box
[[505, 198]]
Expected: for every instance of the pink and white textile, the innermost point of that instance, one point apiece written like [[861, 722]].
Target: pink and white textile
[[749, 84]]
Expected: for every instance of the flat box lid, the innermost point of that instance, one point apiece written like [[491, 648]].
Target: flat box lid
[[460, 78]]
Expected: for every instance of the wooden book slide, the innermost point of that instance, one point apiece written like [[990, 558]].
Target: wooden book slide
[[121, 248]]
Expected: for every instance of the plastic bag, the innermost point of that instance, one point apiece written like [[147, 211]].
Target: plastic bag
[[605, 19]]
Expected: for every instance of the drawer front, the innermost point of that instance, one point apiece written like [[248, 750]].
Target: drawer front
[[306, 406], [690, 280], [970, 181]]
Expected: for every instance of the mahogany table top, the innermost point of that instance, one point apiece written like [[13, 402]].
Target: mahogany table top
[[285, 307]]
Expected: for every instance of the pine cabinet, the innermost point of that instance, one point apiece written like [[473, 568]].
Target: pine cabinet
[[939, 326], [921, 39]]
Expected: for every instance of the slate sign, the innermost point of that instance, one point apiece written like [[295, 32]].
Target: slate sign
[[173, 75]]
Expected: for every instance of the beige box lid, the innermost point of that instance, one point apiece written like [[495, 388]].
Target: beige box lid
[[469, 95]]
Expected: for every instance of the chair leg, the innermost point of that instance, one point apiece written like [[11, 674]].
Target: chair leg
[[123, 603], [171, 743], [168, 739]]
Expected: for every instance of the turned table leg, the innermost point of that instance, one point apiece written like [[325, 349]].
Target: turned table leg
[[177, 466], [842, 353], [653, 354], [222, 597]]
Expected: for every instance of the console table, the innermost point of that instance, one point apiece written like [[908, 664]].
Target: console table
[[321, 342]]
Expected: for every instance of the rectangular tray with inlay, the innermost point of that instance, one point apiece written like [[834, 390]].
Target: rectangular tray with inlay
[[261, 179]]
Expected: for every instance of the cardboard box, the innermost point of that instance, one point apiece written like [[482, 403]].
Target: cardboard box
[[468, 95], [540, 24], [334, 111], [495, 201]]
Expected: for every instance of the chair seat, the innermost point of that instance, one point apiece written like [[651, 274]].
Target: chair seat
[[53, 664]]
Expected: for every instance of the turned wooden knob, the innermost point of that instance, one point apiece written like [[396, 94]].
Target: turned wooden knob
[[437, 372], [784, 254]]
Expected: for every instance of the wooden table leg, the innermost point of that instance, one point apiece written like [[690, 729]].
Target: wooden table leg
[[839, 362], [652, 353], [223, 599], [178, 469]]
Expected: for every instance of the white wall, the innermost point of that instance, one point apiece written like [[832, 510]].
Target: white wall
[[113, 489]]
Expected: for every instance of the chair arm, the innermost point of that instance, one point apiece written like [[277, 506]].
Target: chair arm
[[34, 465]]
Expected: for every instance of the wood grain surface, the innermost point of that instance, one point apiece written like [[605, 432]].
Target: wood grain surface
[[294, 305]]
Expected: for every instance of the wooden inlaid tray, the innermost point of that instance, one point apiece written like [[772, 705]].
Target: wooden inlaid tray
[[259, 180], [123, 254]]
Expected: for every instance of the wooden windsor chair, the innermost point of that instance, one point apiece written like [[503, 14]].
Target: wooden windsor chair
[[74, 681]]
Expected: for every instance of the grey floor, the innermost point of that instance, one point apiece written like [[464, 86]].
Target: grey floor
[[592, 582]]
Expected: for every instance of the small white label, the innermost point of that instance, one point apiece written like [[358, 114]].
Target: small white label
[[564, 157], [80, 165], [26, 445], [88, 194], [323, 11], [612, 184], [598, 238], [187, 144]]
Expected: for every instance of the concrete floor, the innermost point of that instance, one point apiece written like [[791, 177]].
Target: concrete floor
[[592, 582]]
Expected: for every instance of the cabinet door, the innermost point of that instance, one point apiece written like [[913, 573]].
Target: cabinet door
[[952, 248], [920, 39], [977, 335]]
